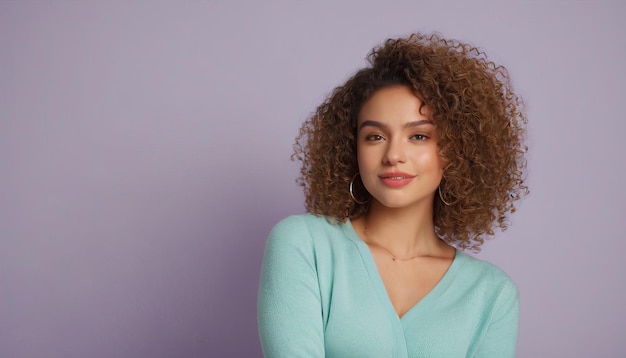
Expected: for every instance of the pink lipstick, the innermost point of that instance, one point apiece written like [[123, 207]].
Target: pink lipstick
[[396, 179]]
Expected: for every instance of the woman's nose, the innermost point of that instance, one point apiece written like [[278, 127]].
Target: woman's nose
[[395, 153]]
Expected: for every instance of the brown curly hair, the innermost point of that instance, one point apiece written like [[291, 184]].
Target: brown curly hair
[[480, 121]]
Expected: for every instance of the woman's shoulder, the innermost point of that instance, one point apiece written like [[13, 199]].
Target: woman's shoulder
[[301, 224], [485, 273], [309, 237], [301, 228]]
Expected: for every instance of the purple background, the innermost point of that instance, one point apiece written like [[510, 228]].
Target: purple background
[[144, 156]]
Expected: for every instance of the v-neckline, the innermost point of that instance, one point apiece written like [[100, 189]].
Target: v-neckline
[[377, 281]]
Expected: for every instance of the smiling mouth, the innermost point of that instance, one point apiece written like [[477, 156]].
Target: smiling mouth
[[395, 180], [399, 176]]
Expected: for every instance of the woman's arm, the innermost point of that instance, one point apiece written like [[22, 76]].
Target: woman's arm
[[500, 339], [289, 306]]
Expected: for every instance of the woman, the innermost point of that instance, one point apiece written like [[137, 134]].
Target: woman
[[416, 157]]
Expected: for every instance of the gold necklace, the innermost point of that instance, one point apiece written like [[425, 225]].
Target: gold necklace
[[393, 257]]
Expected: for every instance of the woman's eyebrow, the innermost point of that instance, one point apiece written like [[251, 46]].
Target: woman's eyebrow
[[373, 124], [419, 123], [383, 126]]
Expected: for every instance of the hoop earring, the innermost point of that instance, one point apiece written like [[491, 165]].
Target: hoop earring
[[350, 189], [441, 197]]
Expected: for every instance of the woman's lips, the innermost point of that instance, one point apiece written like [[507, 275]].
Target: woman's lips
[[396, 179]]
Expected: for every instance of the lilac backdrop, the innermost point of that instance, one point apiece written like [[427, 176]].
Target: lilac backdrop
[[144, 156]]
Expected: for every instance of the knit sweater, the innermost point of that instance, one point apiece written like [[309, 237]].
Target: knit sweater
[[321, 295]]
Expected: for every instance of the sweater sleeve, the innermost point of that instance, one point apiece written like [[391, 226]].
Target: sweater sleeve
[[500, 339], [289, 305]]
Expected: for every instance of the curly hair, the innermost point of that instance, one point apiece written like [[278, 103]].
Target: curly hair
[[479, 119]]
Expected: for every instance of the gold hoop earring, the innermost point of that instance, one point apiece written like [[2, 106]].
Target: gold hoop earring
[[350, 189], [441, 197]]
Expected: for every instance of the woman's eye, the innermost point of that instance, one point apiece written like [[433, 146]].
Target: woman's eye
[[419, 137], [374, 137]]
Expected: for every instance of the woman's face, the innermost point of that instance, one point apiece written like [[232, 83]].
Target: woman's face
[[397, 149]]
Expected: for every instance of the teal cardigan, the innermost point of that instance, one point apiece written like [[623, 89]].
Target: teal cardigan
[[321, 295]]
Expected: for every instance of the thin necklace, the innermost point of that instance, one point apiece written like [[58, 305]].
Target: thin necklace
[[393, 257]]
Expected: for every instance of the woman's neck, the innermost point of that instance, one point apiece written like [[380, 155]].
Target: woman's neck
[[404, 231]]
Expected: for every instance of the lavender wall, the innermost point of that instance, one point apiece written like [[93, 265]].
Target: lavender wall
[[144, 156]]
